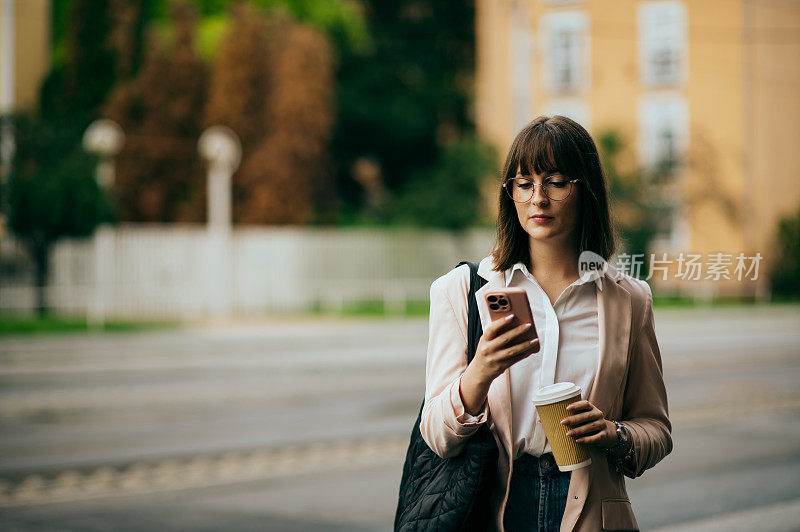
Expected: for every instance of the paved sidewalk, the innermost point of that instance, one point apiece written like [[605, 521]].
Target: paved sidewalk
[[783, 517]]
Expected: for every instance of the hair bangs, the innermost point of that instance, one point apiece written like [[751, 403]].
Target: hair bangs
[[537, 156]]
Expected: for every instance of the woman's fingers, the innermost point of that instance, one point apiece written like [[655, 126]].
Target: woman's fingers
[[497, 327], [494, 351], [535, 344], [586, 423], [578, 406], [519, 351], [586, 430], [580, 419], [506, 338]]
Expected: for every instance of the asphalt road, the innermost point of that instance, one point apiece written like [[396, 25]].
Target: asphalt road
[[302, 425]]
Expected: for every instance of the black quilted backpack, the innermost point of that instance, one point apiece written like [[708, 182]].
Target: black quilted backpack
[[444, 494]]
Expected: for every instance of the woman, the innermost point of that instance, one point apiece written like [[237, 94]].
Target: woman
[[595, 330]]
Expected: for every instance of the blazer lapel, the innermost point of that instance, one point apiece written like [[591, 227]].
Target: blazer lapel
[[614, 327]]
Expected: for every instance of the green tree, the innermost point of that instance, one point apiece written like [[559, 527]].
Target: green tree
[[447, 194], [83, 73], [404, 94], [52, 193], [52, 190], [635, 204], [786, 268]]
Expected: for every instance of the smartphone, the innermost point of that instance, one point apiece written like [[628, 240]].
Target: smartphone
[[514, 301]]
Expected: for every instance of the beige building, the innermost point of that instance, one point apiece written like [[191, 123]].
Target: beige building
[[24, 62], [24, 51], [711, 84]]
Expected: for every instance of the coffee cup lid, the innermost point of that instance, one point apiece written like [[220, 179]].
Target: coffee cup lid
[[555, 392]]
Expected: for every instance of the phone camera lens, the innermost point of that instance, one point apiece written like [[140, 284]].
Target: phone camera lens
[[494, 306], [492, 299], [503, 301]]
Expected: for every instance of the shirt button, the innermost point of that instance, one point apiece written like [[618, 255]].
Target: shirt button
[[545, 463]]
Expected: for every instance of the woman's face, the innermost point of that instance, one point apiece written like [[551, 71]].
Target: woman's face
[[561, 217]]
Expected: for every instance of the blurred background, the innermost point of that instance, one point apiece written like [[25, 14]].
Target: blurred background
[[220, 219]]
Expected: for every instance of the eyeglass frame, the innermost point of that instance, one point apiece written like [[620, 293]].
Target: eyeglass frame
[[510, 195]]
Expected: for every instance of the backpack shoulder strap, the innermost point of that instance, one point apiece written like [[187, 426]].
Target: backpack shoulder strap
[[474, 327]]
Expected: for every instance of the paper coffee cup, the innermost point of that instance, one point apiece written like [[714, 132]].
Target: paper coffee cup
[[551, 404]]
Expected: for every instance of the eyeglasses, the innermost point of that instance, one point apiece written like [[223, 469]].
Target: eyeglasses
[[520, 189]]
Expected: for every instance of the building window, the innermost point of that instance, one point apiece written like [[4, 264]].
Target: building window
[[662, 43], [566, 60], [663, 133], [663, 143], [565, 48], [521, 71]]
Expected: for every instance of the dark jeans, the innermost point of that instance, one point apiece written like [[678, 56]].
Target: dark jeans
[[538, 495]]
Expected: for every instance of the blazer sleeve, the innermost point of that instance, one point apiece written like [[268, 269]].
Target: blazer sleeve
[[445, 425], [645, 411]]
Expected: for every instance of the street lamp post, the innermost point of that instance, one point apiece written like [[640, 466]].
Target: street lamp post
[[220, 147], [105, 139]]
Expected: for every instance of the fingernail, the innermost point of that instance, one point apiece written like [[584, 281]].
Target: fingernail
[[534, 340], [562, 421], [509, 317], [527, 325]]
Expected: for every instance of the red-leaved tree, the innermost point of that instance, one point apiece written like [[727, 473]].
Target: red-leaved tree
[[160, 177]]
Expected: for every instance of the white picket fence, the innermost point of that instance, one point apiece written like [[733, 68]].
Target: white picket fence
[[187, 272]]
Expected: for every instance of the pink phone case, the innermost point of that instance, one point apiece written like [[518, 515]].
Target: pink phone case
[[507, 301]]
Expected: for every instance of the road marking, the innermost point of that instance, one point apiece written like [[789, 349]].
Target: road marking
[[200, 471]]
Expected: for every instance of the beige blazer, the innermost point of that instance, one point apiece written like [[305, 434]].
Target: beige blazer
[[628, 387]]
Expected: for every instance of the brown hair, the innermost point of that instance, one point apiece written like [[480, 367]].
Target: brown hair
[[550, 144]]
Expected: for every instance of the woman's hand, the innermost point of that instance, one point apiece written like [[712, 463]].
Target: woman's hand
[[499, 348], [588, 425]]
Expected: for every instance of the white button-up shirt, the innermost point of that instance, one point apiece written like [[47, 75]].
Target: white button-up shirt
[[569, 351]]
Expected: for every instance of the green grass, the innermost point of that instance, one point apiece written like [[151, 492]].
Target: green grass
[[688, 302], [374, 308], [17, 324]]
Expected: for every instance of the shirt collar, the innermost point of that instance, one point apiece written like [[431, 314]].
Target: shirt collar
[[596, 275]]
